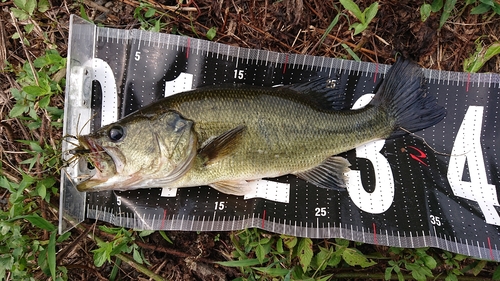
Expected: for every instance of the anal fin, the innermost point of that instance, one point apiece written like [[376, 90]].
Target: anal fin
[[330, 174]]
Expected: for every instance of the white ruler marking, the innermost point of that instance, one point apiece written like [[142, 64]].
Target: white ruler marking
[[213, 221], [140, 40], [237, 57], [202, 223], [467, 245]]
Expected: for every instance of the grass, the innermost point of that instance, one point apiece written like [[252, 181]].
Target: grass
[[32, 103]]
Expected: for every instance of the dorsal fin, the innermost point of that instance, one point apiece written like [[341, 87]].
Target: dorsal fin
[[222, 145], [324, 93]]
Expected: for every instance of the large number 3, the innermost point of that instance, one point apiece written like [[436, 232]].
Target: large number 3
[[381, 198], [467, 147]]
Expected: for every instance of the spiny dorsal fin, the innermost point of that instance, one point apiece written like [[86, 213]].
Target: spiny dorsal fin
[[221, 145], [329, 174]]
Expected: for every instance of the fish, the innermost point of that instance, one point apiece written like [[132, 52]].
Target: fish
[[229, 136]]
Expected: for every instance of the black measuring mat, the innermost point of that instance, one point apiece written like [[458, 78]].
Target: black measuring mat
[[436, 189]]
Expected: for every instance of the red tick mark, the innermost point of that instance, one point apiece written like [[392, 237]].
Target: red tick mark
[[286, 62]]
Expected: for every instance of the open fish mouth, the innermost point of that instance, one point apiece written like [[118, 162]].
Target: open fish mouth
[[91, 152], [97, 159]]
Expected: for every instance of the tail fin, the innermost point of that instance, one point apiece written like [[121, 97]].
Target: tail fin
[[404, 96]]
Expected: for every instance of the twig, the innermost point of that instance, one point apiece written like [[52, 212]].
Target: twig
[[71, 247], [157, 5], [266, 34], [21, 37], [352, 45], [140, 268], [173, 8], [170, 251], [3, 48], [100, 8], [315, 12], [87, 268], [160, 267], [43, 212], [9, 176], [126, 258]]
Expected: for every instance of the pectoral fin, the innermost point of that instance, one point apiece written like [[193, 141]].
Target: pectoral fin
[[235, 187], [221, 145], [329, 174]]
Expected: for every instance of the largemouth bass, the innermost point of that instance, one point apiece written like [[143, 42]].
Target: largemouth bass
[[228, 136]]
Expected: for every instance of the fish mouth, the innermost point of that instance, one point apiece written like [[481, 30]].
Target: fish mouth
[[100, 160]]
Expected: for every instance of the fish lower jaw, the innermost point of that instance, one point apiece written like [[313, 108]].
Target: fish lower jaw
[[97, 183], [88, 185]]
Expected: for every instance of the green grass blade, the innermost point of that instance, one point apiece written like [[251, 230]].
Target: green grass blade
[[329, 28], [51, 254], [425, 12], [449, 5], [477, 60], [37, 221], [351, 52], [354, 9], [248, 262], [436, 5], [274, 272], [115, 270], [371, 12]]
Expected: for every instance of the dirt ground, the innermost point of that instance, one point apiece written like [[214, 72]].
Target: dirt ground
[[288, 26]]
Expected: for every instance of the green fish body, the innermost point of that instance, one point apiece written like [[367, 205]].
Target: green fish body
[[228, 136]]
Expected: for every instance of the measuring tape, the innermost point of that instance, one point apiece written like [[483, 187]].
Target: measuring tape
[[400, 192]]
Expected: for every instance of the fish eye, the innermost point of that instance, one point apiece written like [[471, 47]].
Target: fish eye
[[116, 133]]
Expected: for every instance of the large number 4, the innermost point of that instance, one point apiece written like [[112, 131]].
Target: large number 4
[[467, 147]]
